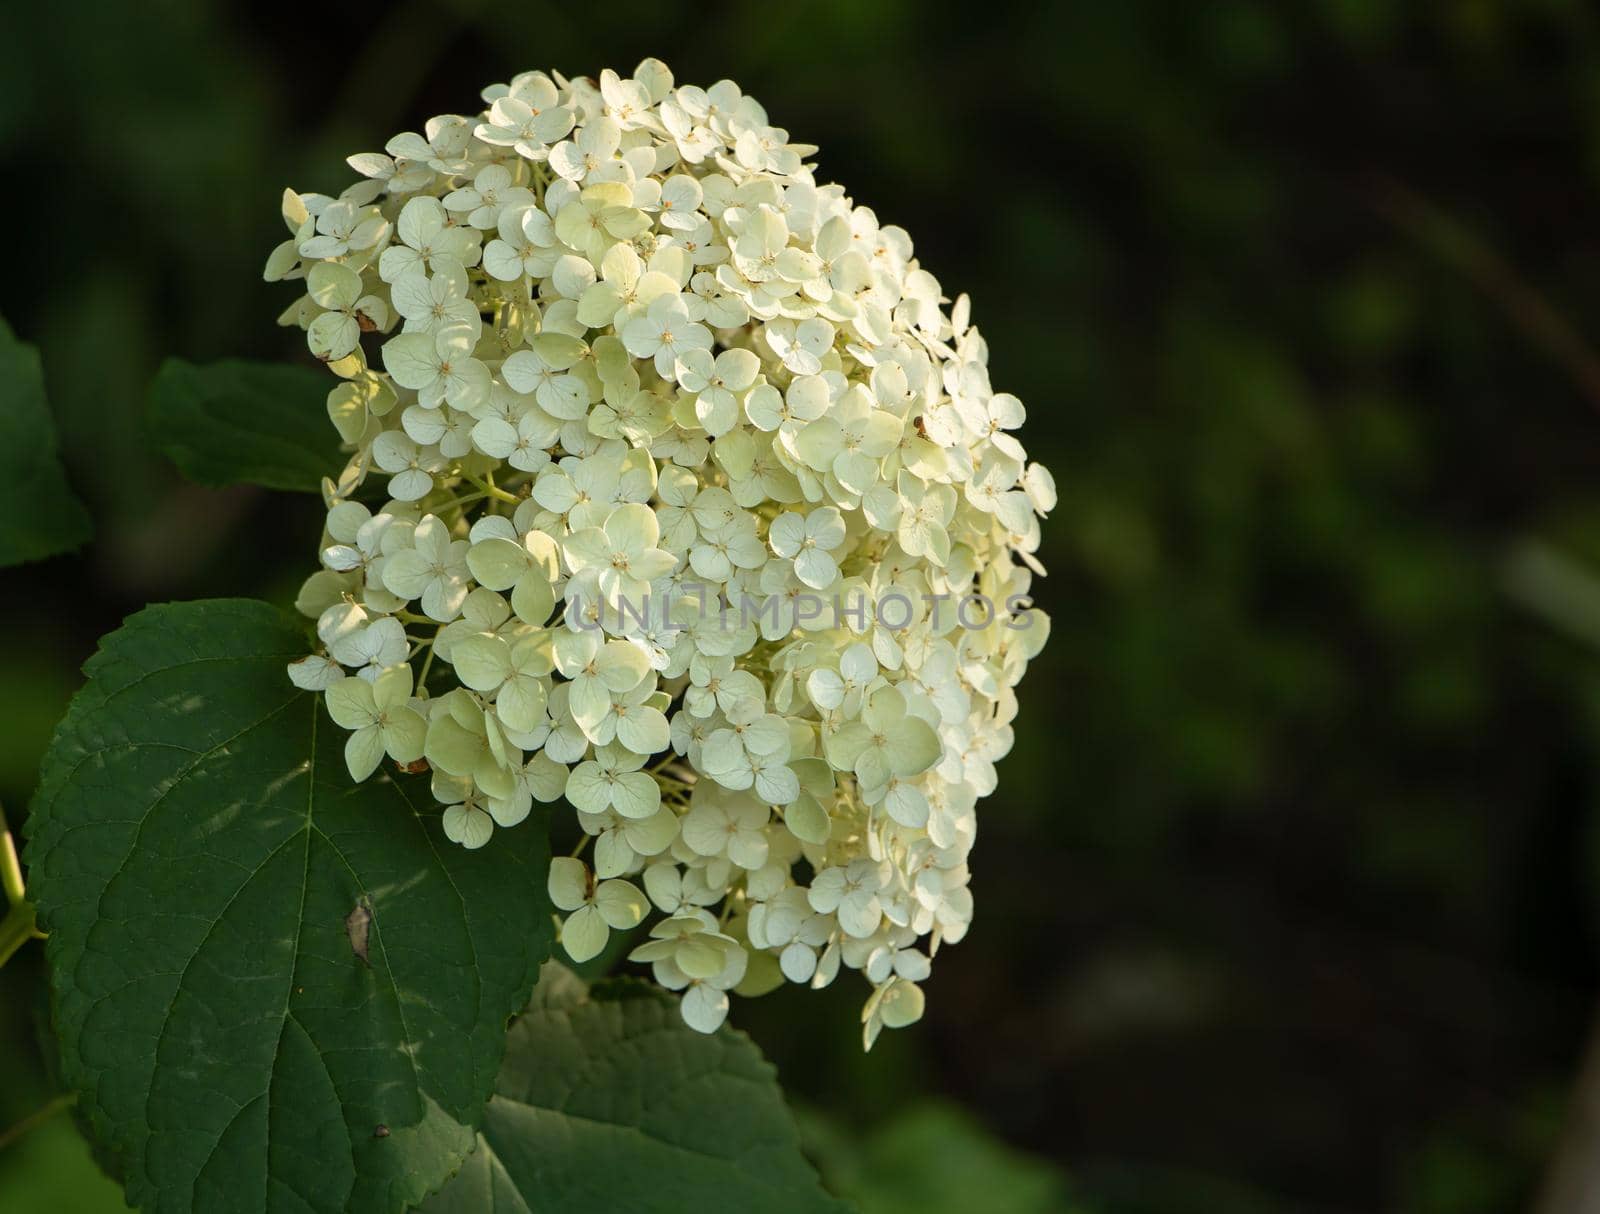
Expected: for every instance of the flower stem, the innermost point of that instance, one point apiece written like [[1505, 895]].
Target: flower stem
[[10, 866], [16, 929], [427, 663], [489, 490], [20, 925], [36, 1119]]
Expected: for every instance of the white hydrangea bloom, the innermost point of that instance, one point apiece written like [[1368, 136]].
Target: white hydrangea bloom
[[693, 504]]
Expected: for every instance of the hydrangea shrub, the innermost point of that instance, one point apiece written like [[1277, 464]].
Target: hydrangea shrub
[[676, 504]]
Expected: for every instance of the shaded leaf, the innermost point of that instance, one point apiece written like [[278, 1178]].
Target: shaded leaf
[[606, 1100], [933, 1158], [40, 515], [237, 422], [196, 848]]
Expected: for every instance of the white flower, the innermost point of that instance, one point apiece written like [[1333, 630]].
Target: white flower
[[436, 303], [885, 742], [612, 780], [525, 246], [491, 192], [734, 827], [596, 909], [337, 331], [528, 118], [525, 445], [343, 227], [439, 366], [593, 148], [809, 541], [702, 511], [516, 675], [850, 893], [717, 384], [426, 237], [379, 718], [665, 334], [413, 466], [687, 953], [433, 569], [623, 552], [842, 689], [542, 372], [371, 648], [597, 669], [894, 1005], [800, 347]]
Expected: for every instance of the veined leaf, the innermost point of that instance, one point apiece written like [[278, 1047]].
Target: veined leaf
[[237, 422], [197, 849], [607, 1101]]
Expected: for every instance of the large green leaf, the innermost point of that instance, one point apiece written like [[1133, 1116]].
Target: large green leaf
[[39, 514], [196, 848], [933, 1158], [608, 1101], [236, 422]]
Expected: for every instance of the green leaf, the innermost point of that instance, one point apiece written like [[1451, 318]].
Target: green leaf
[[236, 422], [196, 847], [608, 1101], [40, 515], [933, 1158]]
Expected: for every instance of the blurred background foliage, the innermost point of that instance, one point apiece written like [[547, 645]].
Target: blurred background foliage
[[1289, 898]]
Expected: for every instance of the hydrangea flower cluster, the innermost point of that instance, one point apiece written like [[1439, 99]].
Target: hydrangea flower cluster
[[697, 509]]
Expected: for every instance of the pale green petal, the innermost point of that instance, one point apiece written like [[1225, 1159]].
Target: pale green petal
[[497, 563], [633, 527], [363, 751], [912, 747], [451, 748], [404, 735], [704, 1008], [588, 789], [584, 933], [807, 820], [392, 688], [350, 703], [621, 904], [482, 662], [652, 835], [901, 1004], [699, 957], [636, 795], [468, 826], [521, 703], [533, 599], [568, 883], [644, 731], [622, 666]]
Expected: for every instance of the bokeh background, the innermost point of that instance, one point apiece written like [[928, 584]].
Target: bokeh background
[[1289, 897]]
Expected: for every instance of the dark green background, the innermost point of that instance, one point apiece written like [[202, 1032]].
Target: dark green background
[[1288, 899]]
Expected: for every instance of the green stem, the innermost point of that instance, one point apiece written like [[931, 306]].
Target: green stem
[[36, 1119], [464, 500], [499, 495], [10, 866], [427, 663], [16, 929]]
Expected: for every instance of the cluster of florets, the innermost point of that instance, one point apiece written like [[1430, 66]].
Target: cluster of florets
[[697, 509]]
